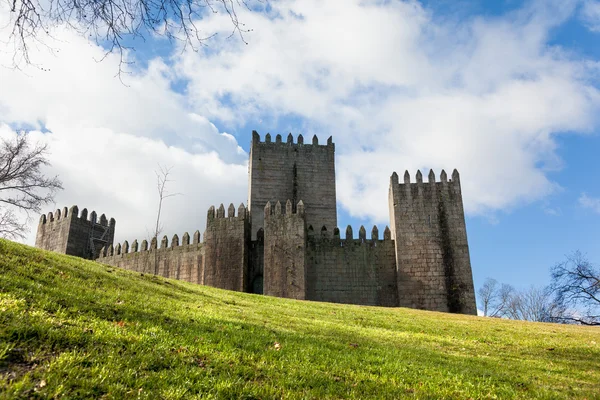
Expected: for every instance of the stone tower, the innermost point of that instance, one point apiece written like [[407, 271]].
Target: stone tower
[[279, 171], [68, 232], [432, 253], [226, 247]]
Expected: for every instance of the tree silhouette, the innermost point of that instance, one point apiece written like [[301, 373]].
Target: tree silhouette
[[23, 186]]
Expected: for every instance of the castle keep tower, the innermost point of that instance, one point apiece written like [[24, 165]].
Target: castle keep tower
[[286, 243], [280, 171]]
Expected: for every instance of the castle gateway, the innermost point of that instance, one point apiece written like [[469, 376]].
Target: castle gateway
[[286, 243]]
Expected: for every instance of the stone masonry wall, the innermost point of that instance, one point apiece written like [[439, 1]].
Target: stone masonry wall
[[432, 254], [352, 271], [70, 233], [101, 232], [178, 261], [285, 251], [226, 248], [279, 171], [257, 264], [53, 231]]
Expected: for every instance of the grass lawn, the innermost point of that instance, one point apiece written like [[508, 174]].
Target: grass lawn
[[78, 329]]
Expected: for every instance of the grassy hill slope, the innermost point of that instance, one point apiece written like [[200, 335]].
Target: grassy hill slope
[[79, 329]]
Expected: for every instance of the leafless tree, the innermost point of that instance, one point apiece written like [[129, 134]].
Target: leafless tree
[[162, 179], [576, 285], [533, 304], [495, 297], [23, 186], [114, 23], [487, 295]]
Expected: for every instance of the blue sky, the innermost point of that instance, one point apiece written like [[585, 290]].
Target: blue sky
[[505, 91], [519, 245]]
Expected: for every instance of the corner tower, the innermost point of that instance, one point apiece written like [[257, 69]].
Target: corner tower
[[279, 171], [69, 232], [432, 252]]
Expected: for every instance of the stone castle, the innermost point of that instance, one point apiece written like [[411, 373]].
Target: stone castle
[[286, 243]]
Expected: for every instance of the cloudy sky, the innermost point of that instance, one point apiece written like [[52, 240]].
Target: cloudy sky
[[506, 91]]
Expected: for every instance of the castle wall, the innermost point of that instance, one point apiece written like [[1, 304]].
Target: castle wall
[[178, 261], [423, 262], [285, 251], [70, 233], [432, 253], [352, 271], [286, 170], [226, 249]]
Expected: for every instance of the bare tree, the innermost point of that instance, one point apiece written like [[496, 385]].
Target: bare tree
[[114, 23], [488, 294], [505, 296], [533, 304], [23, 186], [495, 297], [162, 179], [576, 285]]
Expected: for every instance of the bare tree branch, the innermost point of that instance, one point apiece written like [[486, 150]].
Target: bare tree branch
[[11, 227], [23, 186], [576, 284], [162, 179], [114, 23]]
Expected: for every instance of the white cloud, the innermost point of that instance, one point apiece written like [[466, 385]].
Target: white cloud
[[590, 14], [592, 203], [75, 86], [397, 87], [400, 89], [106, 139], [553, 211], [113, 173]]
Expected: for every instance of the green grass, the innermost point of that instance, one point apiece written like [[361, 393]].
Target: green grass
[[77, 329]]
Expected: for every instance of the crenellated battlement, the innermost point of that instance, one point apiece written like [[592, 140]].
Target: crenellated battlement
[[73, 214], [431, 178], [242, 212], [335, 236], [289, 141], [123, 249], [428, 193], [289, 210], [54, 216], [175, 259]]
